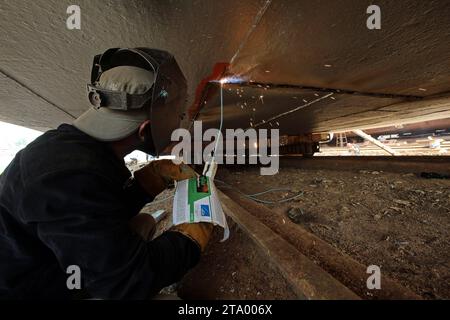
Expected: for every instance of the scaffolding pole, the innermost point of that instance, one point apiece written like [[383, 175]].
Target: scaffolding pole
[[368, 137]]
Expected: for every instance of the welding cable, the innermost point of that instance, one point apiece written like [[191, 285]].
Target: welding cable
[[255, 195], [249, 196], [221, 121], [213, 156]]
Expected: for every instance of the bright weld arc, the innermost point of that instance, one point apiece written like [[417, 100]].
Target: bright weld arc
[[233, 80]]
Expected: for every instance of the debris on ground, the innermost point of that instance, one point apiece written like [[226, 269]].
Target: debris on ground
[[394, 220]]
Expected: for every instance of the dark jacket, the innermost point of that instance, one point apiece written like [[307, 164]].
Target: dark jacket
[[66, 199]]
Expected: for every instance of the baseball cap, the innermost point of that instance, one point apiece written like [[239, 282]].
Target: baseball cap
[[107, 124]]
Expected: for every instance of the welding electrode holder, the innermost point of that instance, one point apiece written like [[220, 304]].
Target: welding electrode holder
[[202, 184]]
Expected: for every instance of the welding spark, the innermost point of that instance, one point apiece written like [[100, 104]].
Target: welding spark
[[231, 79], [261, 97]]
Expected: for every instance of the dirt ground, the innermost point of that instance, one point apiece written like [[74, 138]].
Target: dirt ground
[[399, 222], [234, 269]]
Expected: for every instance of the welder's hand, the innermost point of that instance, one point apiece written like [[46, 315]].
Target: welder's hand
[[157, 175], [172, 172], [200, 232]]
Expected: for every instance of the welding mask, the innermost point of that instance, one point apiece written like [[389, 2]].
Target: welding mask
[[118, 109]]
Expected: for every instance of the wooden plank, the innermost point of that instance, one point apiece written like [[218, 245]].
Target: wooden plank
[[343, 267], [307, 279]]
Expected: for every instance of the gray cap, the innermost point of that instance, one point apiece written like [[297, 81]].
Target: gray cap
[[111, 125]]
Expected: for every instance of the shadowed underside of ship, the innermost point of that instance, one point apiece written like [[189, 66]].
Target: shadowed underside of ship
[[300, 66]]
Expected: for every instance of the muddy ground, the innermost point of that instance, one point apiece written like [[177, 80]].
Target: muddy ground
[[399, 222]]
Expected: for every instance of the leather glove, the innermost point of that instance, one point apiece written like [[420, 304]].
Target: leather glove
[[157, 175], [200, 232]]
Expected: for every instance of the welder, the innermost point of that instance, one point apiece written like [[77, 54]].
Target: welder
[[68, 199]]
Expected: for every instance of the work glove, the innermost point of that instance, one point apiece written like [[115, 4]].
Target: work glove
[[199, 232], [156, 177], [159, 174]]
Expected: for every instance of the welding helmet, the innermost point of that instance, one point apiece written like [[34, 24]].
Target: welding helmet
[[129, 86]]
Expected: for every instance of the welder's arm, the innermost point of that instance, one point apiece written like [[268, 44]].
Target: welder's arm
[[85, 223]]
